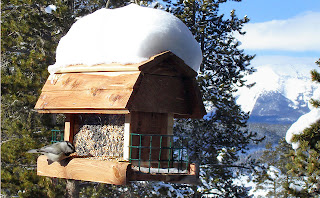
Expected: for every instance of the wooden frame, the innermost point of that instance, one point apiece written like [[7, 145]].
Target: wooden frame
[[118, 173]]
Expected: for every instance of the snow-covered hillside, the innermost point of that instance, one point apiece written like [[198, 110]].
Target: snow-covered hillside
[[282, 91]]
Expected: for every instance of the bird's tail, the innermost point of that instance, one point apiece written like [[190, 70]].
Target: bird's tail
[[33, 151]]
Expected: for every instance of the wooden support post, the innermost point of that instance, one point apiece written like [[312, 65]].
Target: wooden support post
[[69, 128], [126, 144], [72, 186], [194, 169]]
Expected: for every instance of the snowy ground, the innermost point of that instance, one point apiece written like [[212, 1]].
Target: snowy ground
[[245, 181]]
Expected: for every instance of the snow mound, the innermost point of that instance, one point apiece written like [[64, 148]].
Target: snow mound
[[130, 34], [302, 123]]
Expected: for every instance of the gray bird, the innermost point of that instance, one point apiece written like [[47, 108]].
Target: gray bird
[[57, 151]]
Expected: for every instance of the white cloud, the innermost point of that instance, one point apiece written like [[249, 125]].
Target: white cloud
[[300, 33], [284, 64]]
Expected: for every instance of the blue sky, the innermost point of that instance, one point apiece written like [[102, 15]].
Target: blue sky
[[286, 28], [267, 10]]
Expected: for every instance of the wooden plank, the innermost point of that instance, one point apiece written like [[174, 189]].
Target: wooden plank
[[99, 111], [87, 99], [161, 94], [99, 68], [91, 81], [86, 170], [116, 66], [173, 63]]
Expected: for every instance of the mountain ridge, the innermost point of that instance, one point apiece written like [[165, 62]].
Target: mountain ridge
[[281, 92]]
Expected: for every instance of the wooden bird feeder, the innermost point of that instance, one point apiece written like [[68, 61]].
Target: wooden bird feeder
[[122, 116]]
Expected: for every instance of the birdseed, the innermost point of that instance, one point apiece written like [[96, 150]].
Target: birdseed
[[100, 136]]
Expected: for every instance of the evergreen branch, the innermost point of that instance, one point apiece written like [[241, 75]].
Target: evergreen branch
[[20, 165], [224, 165], [318, 62], [315, 76], [315, 103]]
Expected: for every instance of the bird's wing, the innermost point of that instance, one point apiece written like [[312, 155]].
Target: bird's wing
[[33, 151], [49, 149]]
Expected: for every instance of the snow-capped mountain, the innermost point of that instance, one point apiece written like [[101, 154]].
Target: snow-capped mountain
[[282, 91]]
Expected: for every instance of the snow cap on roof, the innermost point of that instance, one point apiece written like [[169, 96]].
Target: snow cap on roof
[[130, 34]]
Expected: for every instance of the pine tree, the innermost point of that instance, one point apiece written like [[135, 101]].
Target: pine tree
[[29, 39], [222, 70], [30, 36], [271, 176], [305, 161]]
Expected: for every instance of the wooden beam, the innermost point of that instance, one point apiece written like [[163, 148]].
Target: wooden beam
[[86, 170], [91, 81], [100, 90], [69, 128], [85, 99], [114, 67], [98, 111]]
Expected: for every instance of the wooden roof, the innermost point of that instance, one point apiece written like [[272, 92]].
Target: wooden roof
[[161, 84]]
